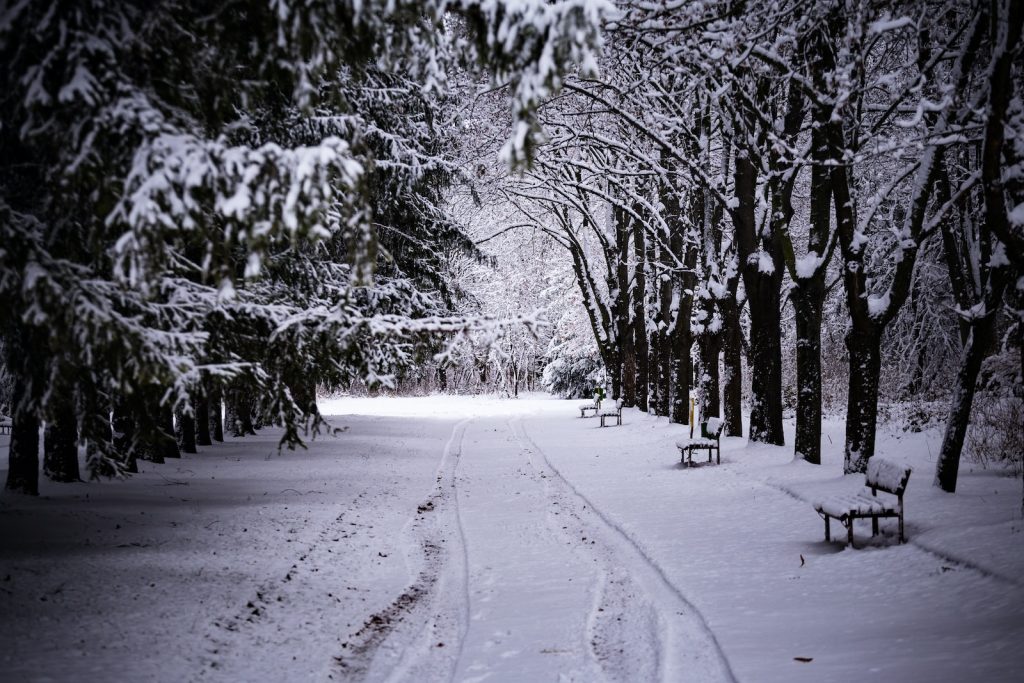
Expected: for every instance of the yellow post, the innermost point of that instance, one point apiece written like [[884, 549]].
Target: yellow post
[[691, 418]]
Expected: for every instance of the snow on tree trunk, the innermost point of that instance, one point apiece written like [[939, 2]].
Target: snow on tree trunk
[[641, 340], [168, 440], [732, 361], [864, 348], [808, 298], [763, 282], [710, 348], [977, 347]]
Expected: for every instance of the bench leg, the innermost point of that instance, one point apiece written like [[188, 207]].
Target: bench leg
[[874, 526], [718, 455], [849, 532], [828, 531], [901, 525]]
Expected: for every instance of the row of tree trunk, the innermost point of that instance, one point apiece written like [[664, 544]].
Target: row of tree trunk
[[138, 430]]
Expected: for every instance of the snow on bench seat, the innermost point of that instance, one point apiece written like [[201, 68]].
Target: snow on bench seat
[[859, 503], [713, 442], [881, 475], [612, 410], [698, 442], [593, 405]]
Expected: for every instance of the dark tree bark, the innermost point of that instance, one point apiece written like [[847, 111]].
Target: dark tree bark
[[808, 302], [240, 415], [709, 346], [202, 405], [621, 308], [732, 360], [641, 341], [862, 410], [982, 332], [868, 322], [124, 435], [665, 375], [682, 371], [168, 441], [655, 363], [186, 430], [763, 283], [808, 290], [60, 442], [979, 341], [23, 468], [216, 416]]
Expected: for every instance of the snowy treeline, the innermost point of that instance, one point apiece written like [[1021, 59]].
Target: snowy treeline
[[744, 173], [206, 205]]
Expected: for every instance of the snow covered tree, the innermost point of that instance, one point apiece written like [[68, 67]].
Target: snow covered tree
[[149, 175]]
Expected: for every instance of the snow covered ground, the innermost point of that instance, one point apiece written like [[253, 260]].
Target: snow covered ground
[[470, 539]]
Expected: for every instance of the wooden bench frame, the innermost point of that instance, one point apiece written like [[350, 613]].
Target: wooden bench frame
[[877, 468], [5, 426], [595, 406], [617, 413], [686, 450]]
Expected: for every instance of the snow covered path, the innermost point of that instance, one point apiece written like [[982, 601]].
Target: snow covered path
[[527, 582], [468, 539]]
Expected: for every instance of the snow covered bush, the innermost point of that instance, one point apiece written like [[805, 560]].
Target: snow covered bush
[[995, 436]]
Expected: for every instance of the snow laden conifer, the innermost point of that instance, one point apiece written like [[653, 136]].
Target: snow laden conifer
[[236, 200]]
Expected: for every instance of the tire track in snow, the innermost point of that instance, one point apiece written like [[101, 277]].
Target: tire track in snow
[[419, 635], [664, 622], [259, 620]]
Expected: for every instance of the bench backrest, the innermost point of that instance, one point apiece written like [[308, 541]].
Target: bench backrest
[[887, 476], [714, 427]]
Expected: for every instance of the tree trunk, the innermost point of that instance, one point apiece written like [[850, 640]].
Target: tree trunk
[[765, 362], [664, 378], [628, 368], [654, 361], [216, 416], [808, 297], [764, 294], [60, 442], [709, 348], [241, 415], [186, 430], [682, 370], [732, 360], [948, 465], [641, 341], [23, 453], [168, 440], [124, 435], [862, 401], [203, 421], [621, 308]]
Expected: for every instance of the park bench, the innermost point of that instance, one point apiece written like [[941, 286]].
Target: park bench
[[882, 475], [594, 405], [614, 410], [710, 440], [5, 425]]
